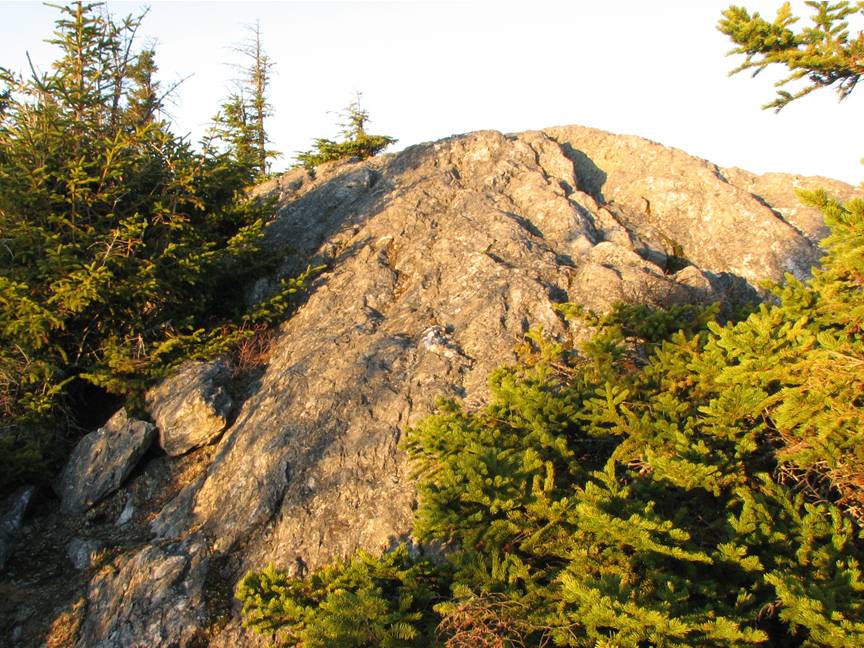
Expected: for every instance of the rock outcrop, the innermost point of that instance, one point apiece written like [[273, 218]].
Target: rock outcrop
[[774, 190], [438, 260]]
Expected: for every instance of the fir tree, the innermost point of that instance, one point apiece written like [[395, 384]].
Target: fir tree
[[393, 595], [121, 246], [259, 81], [144, 100]]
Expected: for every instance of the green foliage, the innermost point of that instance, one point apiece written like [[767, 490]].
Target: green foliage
[[122, 248], [659, 487], [823, 54], [356, 142], [360, 603], [239, 125]]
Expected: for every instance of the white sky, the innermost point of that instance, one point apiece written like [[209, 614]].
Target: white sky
[[431, 69]]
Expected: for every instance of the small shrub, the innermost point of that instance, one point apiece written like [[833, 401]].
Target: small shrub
[[363, 602], [356, 143]]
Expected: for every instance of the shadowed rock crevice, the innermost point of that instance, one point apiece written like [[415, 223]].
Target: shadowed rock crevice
[[437, 261], [589, 178]]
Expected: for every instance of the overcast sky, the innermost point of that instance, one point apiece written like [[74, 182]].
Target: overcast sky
[[431, 69]]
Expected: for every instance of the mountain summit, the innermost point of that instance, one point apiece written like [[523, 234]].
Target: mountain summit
[[437, 262]]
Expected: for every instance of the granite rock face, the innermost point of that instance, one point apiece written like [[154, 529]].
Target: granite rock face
[[774, 190], [715, 223], [438, 260], [156, 592], [102, 461], [191, 407]]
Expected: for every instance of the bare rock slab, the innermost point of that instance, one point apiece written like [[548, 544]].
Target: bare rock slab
[[122, 600], [102, 460], [191, 407]]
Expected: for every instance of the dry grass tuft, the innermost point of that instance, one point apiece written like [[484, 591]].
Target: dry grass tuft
[[64, 630]]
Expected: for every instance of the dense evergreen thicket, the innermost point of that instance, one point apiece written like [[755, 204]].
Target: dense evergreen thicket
[[122, 249], [677, 481]]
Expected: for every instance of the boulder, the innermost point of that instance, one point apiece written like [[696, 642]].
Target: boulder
[[102, 460], [191, 407]]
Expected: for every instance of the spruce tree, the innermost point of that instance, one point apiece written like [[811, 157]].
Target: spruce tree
[[821, 55], [393, 595], [144, 100], [356, 142], [240, 123], [259, 80]]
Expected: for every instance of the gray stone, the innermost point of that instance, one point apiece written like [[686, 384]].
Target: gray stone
[[778, 191], [15, 506], [11, 516], [191, 407], [83, 552], [102, 460], [126, 514], [439, 259]]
